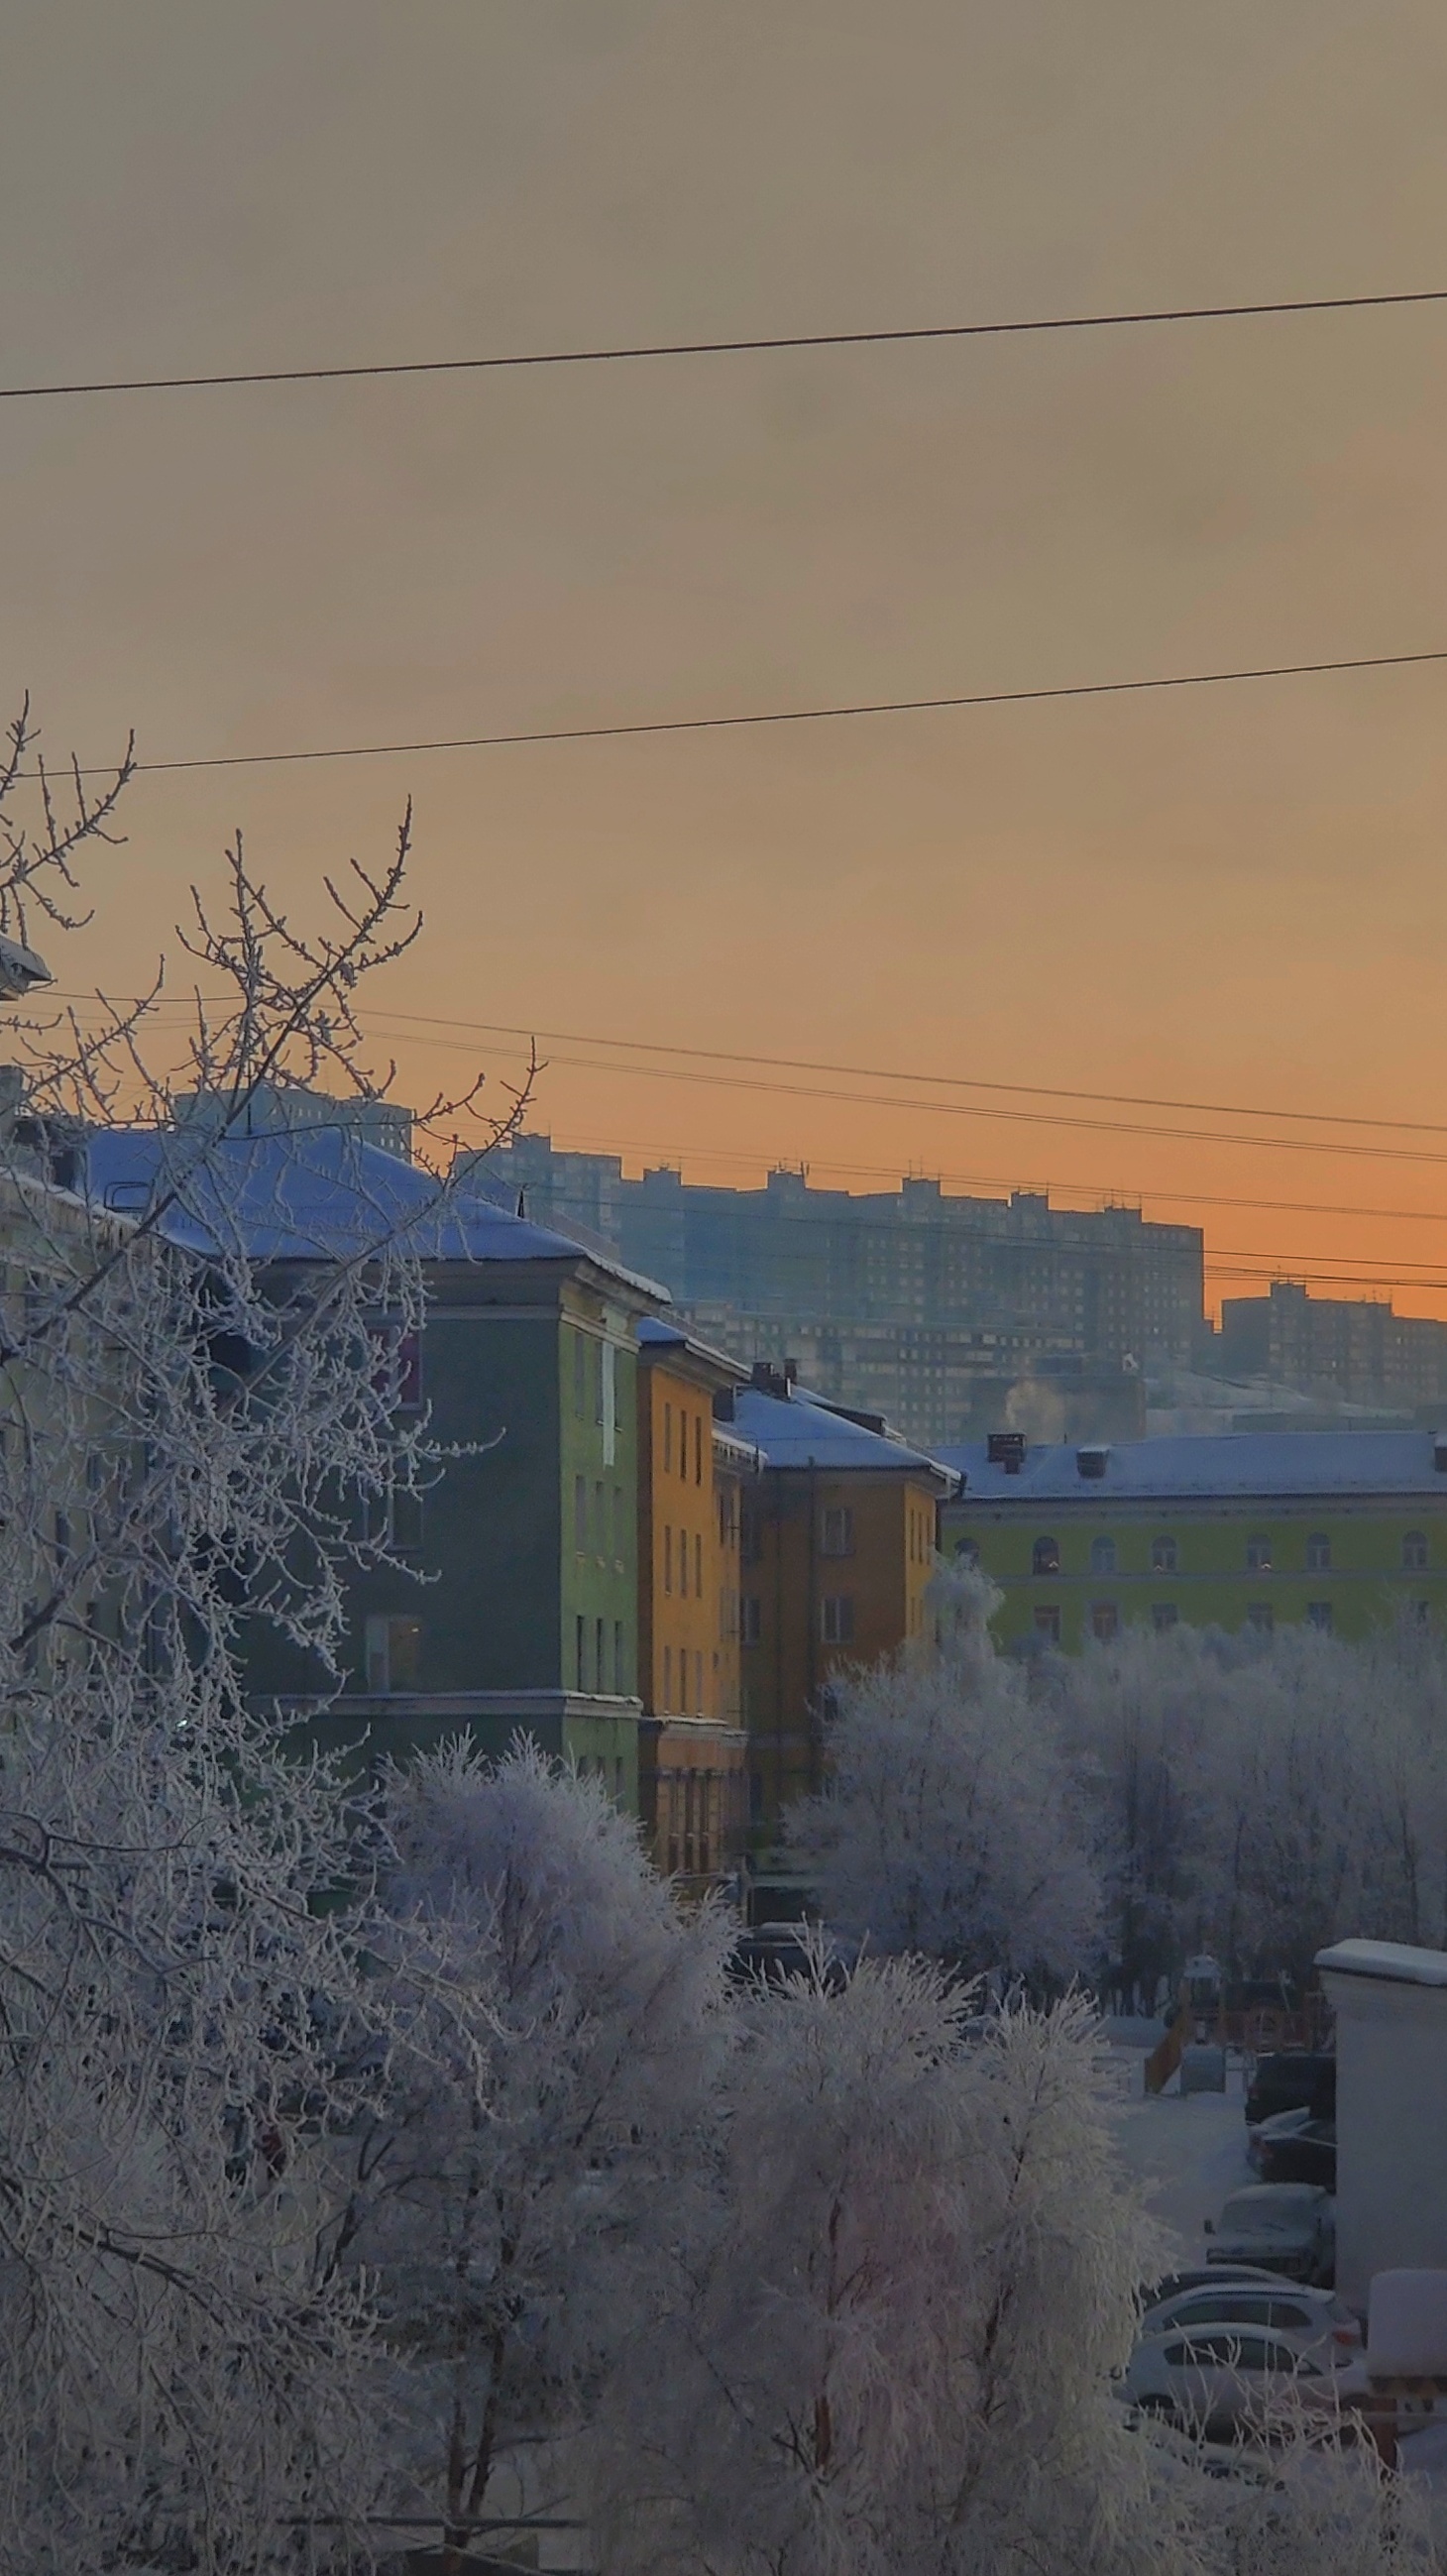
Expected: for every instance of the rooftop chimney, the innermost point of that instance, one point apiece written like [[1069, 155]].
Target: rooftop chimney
[[1006, 1449], [1093, 1459]]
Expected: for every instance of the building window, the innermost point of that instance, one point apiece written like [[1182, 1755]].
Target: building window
[[836, 1619], [751, 1536], [1423, 1611], [1318, 1553], [967, 1551], [1414, 1552], [698, 1681], [836, 1536], [1104, 1621], [683, 1564], [600, 1629], [394, 1655], [619, 1526], [1047, 1626], [1261, 1617], [600, 1517], [579, 1626], [409, 1370], [1102, 1556], [698, 1565], [610, 1403], [620, 1669], [1258, 1554], [1045, 1556], [749, 1621], [1163, 1556], [580, 1375], [580, 1513], [1318, 1615], [1163, 1616], [667, 1678], [698, 1448], [667, 1558], [668, 1439]]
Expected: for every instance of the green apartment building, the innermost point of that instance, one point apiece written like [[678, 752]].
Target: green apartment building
[[1338, 1530], [516, 1606]]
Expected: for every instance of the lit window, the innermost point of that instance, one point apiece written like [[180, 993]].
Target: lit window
[[1414, 1552], [1104, 1621], [836, 1619], [1045, 1556], [1163, 1556], [1318, 1553], [1102, 1556], [837, 1536], [1258, 1554]]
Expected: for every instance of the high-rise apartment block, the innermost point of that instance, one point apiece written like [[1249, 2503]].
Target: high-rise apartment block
[[948, 1314], [1353, 1348]]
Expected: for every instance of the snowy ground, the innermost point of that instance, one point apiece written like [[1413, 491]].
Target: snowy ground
[[1189, 2153]]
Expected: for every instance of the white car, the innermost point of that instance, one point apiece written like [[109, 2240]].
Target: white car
[[1314, 2322], [1221, 2380]]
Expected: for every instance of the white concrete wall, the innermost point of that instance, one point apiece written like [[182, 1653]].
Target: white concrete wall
[[1391, 2118]]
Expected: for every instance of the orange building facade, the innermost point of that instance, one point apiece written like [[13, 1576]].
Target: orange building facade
[[838, 1541], [693, 1786]]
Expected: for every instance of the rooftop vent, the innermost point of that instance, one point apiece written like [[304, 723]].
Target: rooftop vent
[[1093, 1459], [767, 1378], [1006, 1449]]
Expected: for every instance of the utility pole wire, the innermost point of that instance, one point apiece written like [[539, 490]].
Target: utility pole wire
[[917, 332], [779, 715]]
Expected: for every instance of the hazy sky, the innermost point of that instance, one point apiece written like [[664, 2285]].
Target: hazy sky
[[1228, 896]]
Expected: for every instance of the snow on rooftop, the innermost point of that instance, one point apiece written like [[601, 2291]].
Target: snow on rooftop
[[1396, 1962], [1268, 1463], [313, 1194], [790, 1431]]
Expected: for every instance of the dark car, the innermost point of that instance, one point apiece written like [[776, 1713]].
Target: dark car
[[1303, 2152], [1292, 2079]]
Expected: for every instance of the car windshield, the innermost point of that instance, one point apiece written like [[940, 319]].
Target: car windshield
[[1283, 2212]]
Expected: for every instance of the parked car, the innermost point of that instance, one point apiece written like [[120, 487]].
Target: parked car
[[1314, 2322], [1292, 2079], [1155, 2293], [1222, 2380], [1293, 2147], [1286, 2227]]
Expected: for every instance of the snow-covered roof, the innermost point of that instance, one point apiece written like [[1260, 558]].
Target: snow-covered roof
[[657, 1332], [1282, 1464], [790, 1431], [313, 1194], [1397, 1962]]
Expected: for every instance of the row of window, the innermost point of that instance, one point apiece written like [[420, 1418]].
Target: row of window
[[1105, 1618], [1165, 1554], [836, 1619], [686, 1446], [600, 1518], [678, 1554], [595, 1388], [592, 1673], [689, 1701]]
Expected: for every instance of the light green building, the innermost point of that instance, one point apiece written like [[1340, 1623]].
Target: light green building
[[1335, 1529]]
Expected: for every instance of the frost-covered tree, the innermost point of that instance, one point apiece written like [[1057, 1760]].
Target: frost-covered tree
[[889, 2346], [186, 2372], [950, 1822], [560, 2019]]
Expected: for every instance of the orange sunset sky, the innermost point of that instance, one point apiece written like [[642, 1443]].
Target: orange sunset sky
[[1232, 897]]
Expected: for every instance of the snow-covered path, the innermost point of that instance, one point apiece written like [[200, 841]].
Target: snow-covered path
[[1190, 2153]]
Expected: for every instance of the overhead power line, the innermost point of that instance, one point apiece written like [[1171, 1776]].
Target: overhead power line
[[759, 345], [942, 1081], [759, 716]]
